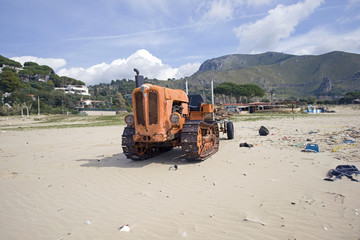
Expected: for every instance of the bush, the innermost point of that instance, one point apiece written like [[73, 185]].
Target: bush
[[7, 111]]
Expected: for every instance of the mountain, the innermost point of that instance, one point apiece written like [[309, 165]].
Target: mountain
[[328, 76]]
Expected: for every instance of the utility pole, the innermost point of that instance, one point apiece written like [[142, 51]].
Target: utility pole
[[38, 106], [272, 92], [212, 97], [186, 87]]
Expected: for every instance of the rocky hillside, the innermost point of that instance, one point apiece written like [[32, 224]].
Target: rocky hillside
[[328, 75]]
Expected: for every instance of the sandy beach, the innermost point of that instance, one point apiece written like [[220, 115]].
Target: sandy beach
[[75, 183]]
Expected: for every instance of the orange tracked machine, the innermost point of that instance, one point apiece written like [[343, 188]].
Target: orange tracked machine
[[165, 118]]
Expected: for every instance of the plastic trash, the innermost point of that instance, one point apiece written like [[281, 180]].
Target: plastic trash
[[246, 145], [263, 131], [311, 147], [125, 228], [343, 146], [300, 144]]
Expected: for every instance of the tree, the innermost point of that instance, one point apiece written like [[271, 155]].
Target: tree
[[47, 86], [29, 64], [225, 89], [1, 95], [9, 69], [9, 81], [352, 95], [220, 90], [9, 62], [119, 101], [253, 90], [310, 100], [96, 93], [349, 97], [19, 96], [239, 90]]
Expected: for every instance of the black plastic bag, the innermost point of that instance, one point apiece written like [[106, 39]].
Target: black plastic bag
[[263, 131]]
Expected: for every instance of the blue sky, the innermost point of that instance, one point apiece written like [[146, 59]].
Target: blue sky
[[97, 41]]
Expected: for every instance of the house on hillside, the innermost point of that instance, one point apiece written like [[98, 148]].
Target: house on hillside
[[89, 103], [75, 89]]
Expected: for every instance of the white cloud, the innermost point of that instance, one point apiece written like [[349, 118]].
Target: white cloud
[[187, 70], [148, 65], [54, 63], [280, 23], [225, 10], [258, 2], [221, 10], [321, 40]]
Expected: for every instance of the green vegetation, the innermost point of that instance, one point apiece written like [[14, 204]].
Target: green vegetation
[[64, 81], [71, 121], [350, 97], [8, 62], [33, 81], [328, 75], [239, 91], [31, 68], [34, 72], [9, 81], [237, 77]]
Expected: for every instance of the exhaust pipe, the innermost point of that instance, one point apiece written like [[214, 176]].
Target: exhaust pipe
[[139, 79]]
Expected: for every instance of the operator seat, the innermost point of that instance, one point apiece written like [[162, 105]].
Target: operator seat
[[195, 101]]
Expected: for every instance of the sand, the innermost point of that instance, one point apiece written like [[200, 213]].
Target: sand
[[75, 183]]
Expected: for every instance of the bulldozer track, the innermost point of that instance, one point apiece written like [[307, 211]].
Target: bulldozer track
[[139, 151], [199, 139]]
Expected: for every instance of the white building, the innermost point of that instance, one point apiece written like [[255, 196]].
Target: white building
[[75, 89]]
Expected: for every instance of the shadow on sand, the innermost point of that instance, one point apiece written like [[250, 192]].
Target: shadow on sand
[[170, 158]]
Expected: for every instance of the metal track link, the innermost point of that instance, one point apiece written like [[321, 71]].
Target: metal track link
[[198, 146], [138, 151]]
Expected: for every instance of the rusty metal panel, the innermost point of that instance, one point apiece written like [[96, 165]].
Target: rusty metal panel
[[208, 108], [153, 107], [139, 106]]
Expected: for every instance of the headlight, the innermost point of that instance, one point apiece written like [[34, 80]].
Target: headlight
[[129, 119], [175, 118]]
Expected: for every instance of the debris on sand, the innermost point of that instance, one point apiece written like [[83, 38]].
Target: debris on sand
[[254, 221], [175, 167], [341, 171], [311, 147], [263, 131], [124, 228], [246, 145]]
